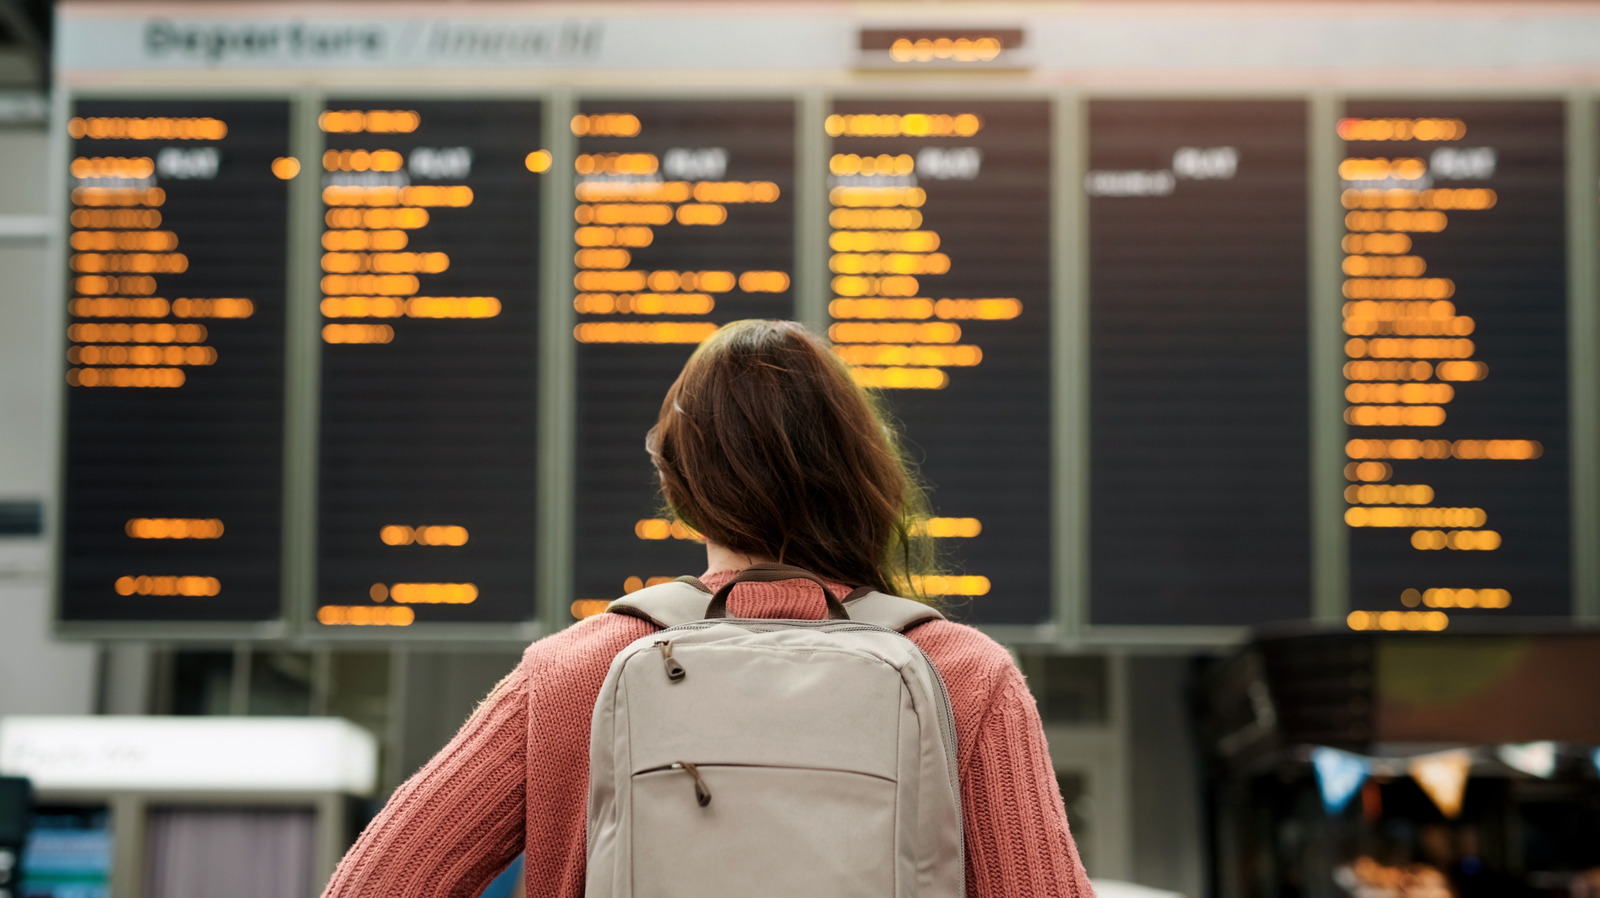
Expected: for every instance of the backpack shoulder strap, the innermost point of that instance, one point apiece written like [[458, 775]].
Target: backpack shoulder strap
[[666, 604], [889, 611], [684, 600]]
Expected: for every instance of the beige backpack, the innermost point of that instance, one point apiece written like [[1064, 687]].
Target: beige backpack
[[750, 758]]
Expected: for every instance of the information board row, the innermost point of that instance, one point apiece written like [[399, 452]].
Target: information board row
[[944, 294]]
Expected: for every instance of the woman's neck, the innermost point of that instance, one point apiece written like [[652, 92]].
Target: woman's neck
[[721, 558]]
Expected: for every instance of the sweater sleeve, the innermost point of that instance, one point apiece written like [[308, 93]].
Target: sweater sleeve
[[455, 824], [1016, 826]]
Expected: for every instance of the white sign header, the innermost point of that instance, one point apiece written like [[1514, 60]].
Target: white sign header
[[1166, 40], [239, 754], [220, 40]]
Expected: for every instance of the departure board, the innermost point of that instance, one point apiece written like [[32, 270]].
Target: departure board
[[1456, 361], [684, 221], [939, 231], [430, 302], [1199, 436], [173, 458]]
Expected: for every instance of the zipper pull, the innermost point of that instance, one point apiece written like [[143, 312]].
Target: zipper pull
[[675, 671], [701, 793]]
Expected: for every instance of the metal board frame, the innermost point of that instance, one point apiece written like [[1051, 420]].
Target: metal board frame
[[1330, 540], [1583, 346]]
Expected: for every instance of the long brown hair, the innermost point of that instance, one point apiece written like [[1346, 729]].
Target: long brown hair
[[766, 445]]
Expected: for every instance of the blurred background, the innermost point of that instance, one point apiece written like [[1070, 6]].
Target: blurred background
[[1251, 351]]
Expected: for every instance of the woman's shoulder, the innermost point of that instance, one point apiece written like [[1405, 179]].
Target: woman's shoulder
[[961, 640], [583, 651], [968, 660]]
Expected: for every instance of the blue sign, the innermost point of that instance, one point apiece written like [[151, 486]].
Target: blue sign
[[1339, 776]]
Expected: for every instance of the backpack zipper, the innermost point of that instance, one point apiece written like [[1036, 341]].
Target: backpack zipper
[[702, 794], [675, 671]]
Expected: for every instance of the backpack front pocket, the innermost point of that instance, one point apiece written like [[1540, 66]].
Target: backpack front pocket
[[718, 830]]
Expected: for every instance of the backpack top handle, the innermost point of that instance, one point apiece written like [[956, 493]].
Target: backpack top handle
[[771, 572]]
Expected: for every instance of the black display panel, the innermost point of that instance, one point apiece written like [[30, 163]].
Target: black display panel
[[430, 306], [1456, 361], [940, 265], [684, 221], [173, 459], [1199, 509]]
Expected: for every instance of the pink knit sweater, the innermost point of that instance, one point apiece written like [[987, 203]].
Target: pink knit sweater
[[515, 779]]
